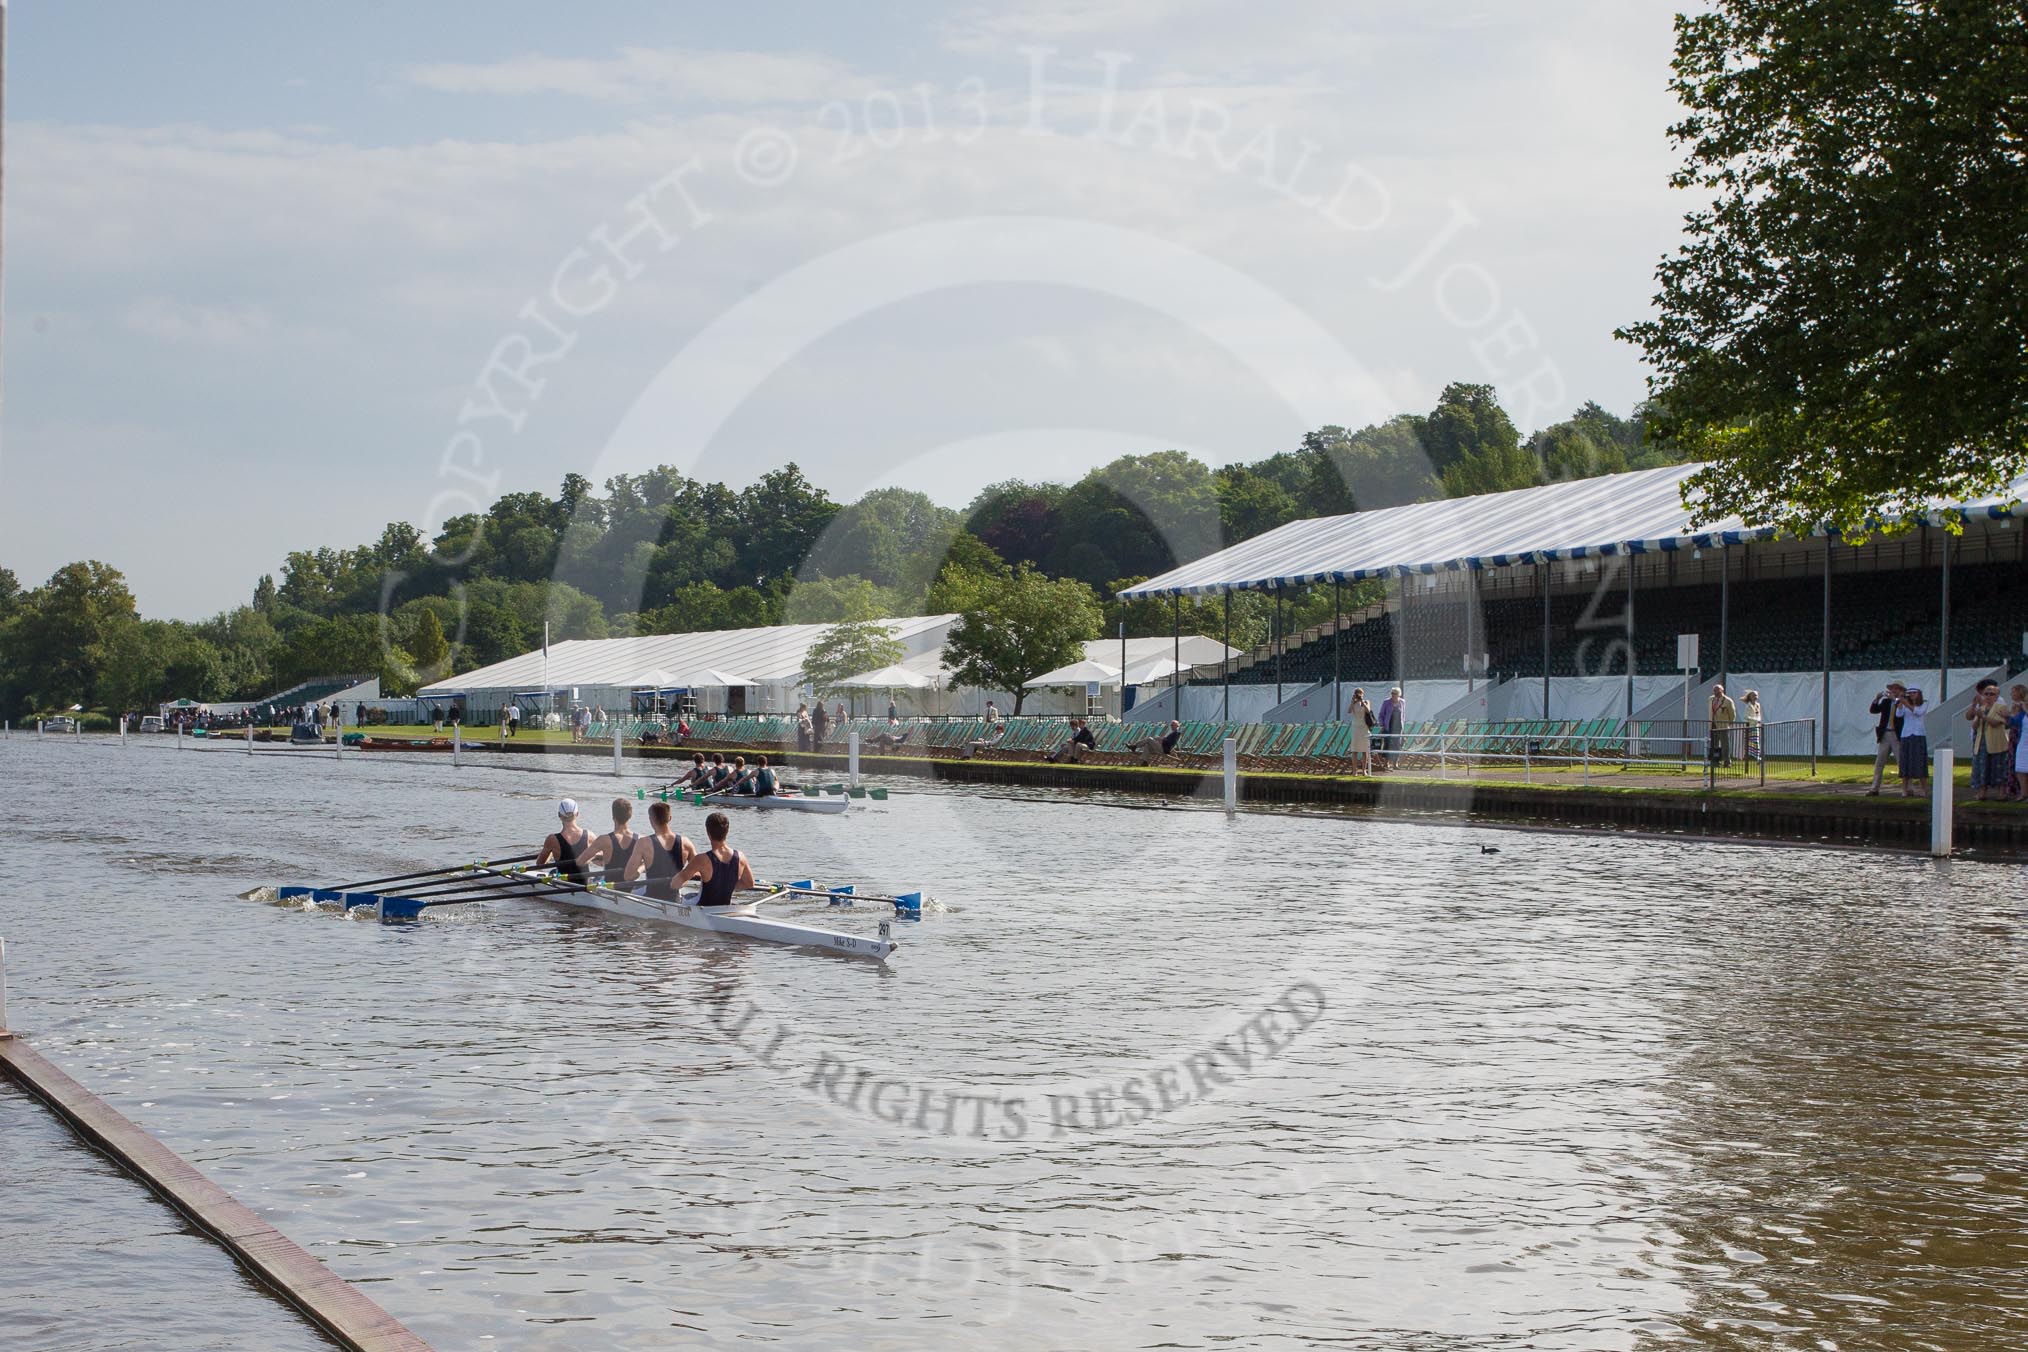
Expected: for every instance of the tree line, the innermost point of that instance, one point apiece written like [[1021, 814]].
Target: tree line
[[661, 552]]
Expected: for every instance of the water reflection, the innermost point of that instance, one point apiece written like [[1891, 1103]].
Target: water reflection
[[1589, 1092]]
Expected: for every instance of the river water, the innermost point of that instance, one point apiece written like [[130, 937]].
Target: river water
[[1147, 1077]]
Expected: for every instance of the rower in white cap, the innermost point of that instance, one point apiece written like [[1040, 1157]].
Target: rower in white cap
[[567, 848]]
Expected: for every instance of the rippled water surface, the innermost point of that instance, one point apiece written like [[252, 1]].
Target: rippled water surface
[[1587, 1092]]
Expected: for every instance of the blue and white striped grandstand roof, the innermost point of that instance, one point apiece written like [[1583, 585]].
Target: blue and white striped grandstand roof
[[1640, 512]]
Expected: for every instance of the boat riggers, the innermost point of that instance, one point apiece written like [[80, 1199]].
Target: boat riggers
[[740, 918], [907, 905]]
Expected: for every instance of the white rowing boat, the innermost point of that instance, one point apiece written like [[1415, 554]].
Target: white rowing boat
[[743, 919], [777, 802]]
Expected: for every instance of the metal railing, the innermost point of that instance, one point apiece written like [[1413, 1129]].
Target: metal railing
[[1710, 750]]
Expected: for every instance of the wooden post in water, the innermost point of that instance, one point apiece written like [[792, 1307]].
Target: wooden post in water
[[1941, 789]]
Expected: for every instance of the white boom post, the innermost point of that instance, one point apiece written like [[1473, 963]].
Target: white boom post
[[3, 988], [1232, 776], [1941, 789], [852, 756], [457, 744], [618, 728]]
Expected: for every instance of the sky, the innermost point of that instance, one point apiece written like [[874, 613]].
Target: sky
[[275, 276]]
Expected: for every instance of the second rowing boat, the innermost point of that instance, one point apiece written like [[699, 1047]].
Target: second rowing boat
[[743, 919]]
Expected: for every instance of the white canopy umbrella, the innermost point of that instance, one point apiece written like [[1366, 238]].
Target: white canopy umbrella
[[1086, 672], [888, 678], [707, 679]]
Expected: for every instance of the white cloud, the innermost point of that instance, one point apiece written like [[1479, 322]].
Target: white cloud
[[640, 75], [181, 322]]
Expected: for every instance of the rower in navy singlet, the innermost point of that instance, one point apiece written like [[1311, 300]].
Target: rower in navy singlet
[[568, 846], [616, 847], [659, 856], [720, 870], [693, 777]]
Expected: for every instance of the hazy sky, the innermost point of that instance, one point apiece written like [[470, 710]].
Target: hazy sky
[[276, 275]]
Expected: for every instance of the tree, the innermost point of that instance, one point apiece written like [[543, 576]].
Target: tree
[[58, 643], [847, 650], [1251, 503], [1016, 520], [1494, 469], [1021, 627], [1844, 333], [1385, 465], [894, 537], [427, 648], [1138, 515], [835, 600], [782, 516], [1467, 421], [970, 568]]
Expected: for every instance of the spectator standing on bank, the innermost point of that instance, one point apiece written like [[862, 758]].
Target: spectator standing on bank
[[1724, 714], [1915, 712], [1753, 715], [2017, 723], [1360, 714], [1886, 709], [803, 727], [820, 723], [1393, 717], [511, 718], [1992, 759], [992, 714]]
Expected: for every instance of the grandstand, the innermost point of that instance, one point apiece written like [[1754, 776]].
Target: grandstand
[[1552, 586]]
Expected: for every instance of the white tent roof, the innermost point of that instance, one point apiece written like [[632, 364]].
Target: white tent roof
[[1086, 672], [769, 656], [1634, 513], [888, 678], [706, 679]]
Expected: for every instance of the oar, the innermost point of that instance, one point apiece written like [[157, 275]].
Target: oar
[[428, 873], [495, 884], [907, 905]]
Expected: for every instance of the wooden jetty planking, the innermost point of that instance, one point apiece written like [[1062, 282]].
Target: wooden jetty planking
[[326, 1299]]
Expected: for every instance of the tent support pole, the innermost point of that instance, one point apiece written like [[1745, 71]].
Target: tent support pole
[[1337, 648], [1724, 615], [1225, 659], [1825, 735], [1281, 642], [1943, 629], [1544, 566], [1630, 635], [1175, 657]]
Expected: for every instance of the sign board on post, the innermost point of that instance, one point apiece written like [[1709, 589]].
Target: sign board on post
[[1686, 652]]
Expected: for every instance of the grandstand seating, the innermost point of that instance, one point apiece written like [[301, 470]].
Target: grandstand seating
[[308, 692], [1879, 620]]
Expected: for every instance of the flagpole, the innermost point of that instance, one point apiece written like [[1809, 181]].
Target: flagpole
[[548, 701]]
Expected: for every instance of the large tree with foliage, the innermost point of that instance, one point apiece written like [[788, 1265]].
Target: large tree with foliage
[[1020, 627], [428, 648], [57, 645], [849, 649], [1844, 332]]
